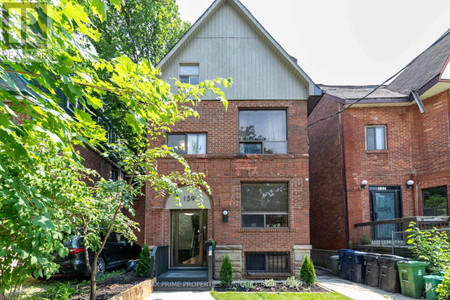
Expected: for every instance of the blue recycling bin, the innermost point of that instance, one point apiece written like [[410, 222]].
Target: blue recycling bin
[[345, 256], [357, 266]]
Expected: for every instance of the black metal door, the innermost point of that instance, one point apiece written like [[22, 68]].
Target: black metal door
[[385, 204]]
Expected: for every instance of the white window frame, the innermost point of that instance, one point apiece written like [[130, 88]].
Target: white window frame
[[190, 76], [186, 138], [266, 213], [375, 141]]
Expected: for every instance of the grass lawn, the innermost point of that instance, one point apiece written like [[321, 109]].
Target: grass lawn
[[273, 296]]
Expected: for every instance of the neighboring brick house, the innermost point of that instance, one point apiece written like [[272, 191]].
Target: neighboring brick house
[[92, 158], [254, 154], [381, 158]]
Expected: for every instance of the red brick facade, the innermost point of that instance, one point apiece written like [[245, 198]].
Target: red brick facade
[[417, 149], [225, 170]]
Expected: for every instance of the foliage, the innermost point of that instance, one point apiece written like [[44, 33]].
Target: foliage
[[43, 182], [143, 268], [443, 288], [246, 284], [226, 272], [307, 272], [366, 240], [60, 291], [430, 246], [268, 283], [292, 283], [141, 30], [32, 214]]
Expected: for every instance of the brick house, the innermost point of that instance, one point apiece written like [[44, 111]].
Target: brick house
[[254, 155], [92, 158], [386, 157]]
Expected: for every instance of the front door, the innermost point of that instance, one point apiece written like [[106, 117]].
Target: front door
[[385, 204], [188, 236]]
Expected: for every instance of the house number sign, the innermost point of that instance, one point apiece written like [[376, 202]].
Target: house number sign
[[189, 200]]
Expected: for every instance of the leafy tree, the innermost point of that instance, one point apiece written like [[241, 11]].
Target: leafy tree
[[143, 268], [141, 30], [226, 271], [307, 272], [43, 180]]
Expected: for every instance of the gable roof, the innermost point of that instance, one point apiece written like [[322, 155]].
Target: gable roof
[[313, 90], [355, 92], [426, 67]]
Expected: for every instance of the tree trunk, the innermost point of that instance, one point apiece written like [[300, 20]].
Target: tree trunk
[[93, 279]]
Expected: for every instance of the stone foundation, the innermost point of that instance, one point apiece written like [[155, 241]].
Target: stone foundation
[[299, 253], [234, 253]]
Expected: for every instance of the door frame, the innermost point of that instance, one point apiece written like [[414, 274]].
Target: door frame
[[203, 221], [396, 189]]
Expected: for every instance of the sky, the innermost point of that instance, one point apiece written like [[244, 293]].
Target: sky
[[346, 41]]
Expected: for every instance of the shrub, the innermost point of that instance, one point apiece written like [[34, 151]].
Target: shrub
[[268, 283], [143, 267], [443, 289], [245, 284], [307, 272], [431, 246], [60, 291], [292, 283], [226, 272]]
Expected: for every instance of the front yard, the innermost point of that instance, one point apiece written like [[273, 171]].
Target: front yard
[[60, 288], [276, 296]]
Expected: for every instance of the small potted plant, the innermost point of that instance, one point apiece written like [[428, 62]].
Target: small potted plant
[[211, 242]]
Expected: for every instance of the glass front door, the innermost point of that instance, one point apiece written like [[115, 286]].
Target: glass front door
[[385, 204], [188, 236]]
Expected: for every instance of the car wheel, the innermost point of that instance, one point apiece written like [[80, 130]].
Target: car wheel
[[101, 267]]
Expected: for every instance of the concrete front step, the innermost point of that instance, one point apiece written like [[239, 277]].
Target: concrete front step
[[183, 279]]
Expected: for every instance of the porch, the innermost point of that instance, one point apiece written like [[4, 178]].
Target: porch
[[391, 236]]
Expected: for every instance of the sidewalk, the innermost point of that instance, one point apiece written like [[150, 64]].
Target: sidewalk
[[354, 290]]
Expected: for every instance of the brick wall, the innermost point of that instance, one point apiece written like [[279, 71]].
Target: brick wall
[[417, 148], [225, 170], [431, 149], [327, 189]]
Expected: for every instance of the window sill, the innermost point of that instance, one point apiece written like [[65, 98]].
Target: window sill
[[242, 156], [267, 229], [377, 151]]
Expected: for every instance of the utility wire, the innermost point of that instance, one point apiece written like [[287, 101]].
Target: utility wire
[[380, 85]]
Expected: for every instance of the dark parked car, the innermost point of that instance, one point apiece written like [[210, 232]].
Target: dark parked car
[[117, 252]]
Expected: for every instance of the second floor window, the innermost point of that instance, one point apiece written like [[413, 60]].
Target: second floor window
[[264, 204], [189, 143], [262, 132], [189, 73], [376, 137]]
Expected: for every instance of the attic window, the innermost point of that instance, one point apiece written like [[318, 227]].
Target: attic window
[[189, 73]]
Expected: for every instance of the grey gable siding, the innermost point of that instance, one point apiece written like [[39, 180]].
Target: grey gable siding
[[226, 45]]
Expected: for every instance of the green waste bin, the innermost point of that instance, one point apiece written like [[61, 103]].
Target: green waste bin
[[411, 277], [431, 283]]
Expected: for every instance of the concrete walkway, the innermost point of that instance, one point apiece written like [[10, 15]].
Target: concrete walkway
[[180, 296], [354, 290]]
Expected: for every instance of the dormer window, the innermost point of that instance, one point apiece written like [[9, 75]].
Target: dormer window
[[189, 73]]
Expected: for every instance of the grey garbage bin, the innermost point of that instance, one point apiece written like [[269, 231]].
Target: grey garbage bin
[[372, 269], [388, 277], [334, 263]]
